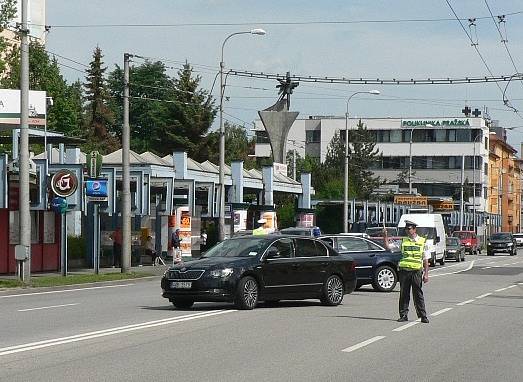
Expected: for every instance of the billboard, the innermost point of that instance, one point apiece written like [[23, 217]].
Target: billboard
[[10, 108]]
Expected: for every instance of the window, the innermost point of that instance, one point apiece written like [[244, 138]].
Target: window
[[463, 135], [452, 135], [308, 248], [440, 135], [328, 241], [352, 244], [395, 136], [312, 136], [262, 136], [284, 247]]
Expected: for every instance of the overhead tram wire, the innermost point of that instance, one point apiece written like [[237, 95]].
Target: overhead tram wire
[[318, 22]]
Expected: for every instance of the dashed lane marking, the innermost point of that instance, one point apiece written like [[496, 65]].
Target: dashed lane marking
[[464, 302], [362, 344], [451, 273], [441, 311], [46, 307], [406, 326], [65, 290]]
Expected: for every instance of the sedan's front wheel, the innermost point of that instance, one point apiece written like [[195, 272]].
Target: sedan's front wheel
[[385, 279], [246, 293], [182, 303], [332, 291]]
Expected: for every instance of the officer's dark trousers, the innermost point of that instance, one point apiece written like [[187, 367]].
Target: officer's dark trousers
[[414, 280]]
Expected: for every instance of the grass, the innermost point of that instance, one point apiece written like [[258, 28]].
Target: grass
[[48, 281]]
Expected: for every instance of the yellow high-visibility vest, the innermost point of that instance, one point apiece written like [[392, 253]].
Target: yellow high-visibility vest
[[412, 253]]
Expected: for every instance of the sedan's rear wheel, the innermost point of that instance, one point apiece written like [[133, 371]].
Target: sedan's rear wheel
[[182, 303], [332, 291], [385, 279], [246, 293]]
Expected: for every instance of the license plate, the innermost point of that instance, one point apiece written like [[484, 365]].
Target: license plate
[[181, 284]]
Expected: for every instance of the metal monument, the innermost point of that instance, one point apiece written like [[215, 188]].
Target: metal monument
[[277, 119]]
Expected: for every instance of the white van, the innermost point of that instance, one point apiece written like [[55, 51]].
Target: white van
[[431, 227]]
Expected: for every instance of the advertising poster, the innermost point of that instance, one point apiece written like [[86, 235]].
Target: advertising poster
[[240, 220]]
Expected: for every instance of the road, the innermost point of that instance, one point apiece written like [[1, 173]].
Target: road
[[127, 332]]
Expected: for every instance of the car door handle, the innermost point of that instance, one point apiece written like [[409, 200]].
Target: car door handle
[[372, 255]]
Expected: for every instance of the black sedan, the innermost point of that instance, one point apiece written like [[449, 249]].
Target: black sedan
[[375, 265], [454, 249], [501, 242], [248, 269]]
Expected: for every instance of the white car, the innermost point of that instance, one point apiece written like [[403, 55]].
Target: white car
[[519, 239]]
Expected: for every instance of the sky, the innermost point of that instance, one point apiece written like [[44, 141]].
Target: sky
[[350, 39]]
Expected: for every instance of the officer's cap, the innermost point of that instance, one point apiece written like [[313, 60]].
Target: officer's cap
[[410, 223]]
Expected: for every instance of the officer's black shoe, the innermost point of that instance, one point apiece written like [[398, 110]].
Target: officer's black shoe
[[425, 320], [403, 319]]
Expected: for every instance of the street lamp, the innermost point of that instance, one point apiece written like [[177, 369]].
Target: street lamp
[[221, 224], [346, 183]]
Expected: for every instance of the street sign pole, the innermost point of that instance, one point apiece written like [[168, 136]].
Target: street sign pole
[[63, 244], [96, 236]]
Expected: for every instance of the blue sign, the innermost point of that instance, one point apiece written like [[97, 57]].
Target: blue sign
[[59, 205], [96, 187]]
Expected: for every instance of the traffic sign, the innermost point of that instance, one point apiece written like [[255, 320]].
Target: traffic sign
[[59, 205]]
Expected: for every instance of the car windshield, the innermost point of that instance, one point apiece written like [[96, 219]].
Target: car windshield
[[463, 235], [240, 247], [426, 232], [501, 236], [452, 241]]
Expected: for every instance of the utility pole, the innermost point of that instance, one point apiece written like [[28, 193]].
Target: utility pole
[[410, 162], [294, 164], [126, 173], [23, 163], [462, 204]]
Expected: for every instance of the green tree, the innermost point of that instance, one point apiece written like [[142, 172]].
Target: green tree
[[7, 13], [237, 143], [99, 116]]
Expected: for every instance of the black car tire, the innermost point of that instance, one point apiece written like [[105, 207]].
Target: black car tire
[[182, 303], [332, 294], [385, 279], [489, 253], [442, 261], [246, 293]]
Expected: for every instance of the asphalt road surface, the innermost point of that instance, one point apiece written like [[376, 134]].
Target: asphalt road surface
[[127, 332]]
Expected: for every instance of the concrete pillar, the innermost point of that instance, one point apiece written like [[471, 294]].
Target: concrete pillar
[[268, 184], [180, 164], [304, 200]]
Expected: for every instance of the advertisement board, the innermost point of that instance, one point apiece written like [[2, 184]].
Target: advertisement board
[[96, 187], [10, 108]]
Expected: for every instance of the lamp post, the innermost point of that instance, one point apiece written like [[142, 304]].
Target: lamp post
[[221, 228], [410, 161], [346, 182]]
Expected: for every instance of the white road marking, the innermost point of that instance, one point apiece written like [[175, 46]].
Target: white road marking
[[465, 302], [486, 267], [65, 290], [107, 332], [483, 295], [501, 289], [451, 273], [441, 311], [512, 286], [406, 326], [362, 344], [46, 307]]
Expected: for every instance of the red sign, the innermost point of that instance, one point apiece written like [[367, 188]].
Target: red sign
[[64, 183]]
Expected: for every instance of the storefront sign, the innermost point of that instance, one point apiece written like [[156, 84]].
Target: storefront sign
[[456, 122], [411, 200], [10, 107], [64, 183], [442, 205], [96, 187]]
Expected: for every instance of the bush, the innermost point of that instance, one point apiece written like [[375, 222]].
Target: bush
[[75, 247]]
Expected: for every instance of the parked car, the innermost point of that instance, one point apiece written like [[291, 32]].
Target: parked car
[[374, 264], [469, 240], [301, 231], [431, 227], [455, 249], [246, 270], [501, 242], [519, 239]]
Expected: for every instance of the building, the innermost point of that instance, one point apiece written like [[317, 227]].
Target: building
[[504, 183]]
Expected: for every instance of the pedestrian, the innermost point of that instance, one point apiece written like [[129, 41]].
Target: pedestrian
[[413, 271], [149, 249], [175, 245], [117, 247], [261, 228]]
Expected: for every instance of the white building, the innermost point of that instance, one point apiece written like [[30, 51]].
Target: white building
[[437, 148]]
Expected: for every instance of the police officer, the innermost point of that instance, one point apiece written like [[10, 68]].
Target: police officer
[[261, 229], [413, 271]]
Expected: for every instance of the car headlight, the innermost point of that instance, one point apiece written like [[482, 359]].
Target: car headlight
[[225, 272]]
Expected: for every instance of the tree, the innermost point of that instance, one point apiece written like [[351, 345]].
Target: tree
[[99, 116], [7, 13], [237, 143], [44, 74]]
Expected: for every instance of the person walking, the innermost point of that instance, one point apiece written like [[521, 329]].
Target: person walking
[[413, 271], [117, 247], [175, 245], [150, 249]]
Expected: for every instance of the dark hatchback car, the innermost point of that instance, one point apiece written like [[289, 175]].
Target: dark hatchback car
[[245, 270], [501, 242], [374, 264], [454, 249]]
